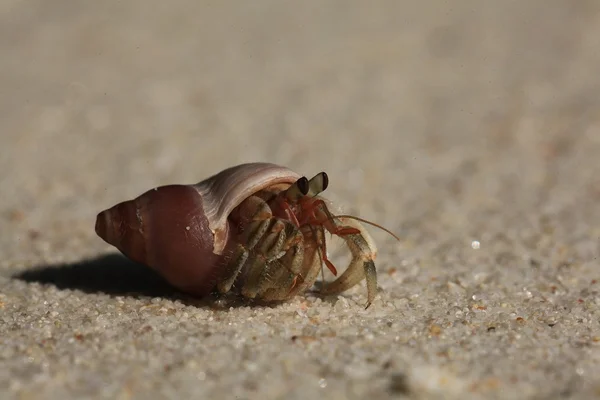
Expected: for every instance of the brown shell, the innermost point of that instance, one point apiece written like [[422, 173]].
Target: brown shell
[[182, 231]]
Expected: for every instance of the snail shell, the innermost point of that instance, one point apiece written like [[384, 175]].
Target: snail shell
[[182, 231]]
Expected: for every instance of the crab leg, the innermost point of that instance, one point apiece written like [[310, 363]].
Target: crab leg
[[287, 270], [269, 248], [362, 266], [253, 232], [312, 261]]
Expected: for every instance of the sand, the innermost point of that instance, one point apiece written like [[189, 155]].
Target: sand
[[471, 129]]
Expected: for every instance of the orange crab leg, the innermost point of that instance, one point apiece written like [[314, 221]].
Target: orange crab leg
[[329, 264]]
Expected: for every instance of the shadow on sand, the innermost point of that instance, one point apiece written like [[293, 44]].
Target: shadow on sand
[[116, 275], [111, 274]]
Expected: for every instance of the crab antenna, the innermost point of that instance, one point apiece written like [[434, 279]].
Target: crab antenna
[[369, 223], [317, 184]]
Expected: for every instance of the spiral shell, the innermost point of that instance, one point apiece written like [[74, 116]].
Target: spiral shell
[[182, 231]]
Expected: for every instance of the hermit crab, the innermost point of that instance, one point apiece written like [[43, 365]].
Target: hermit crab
[[256, 229]]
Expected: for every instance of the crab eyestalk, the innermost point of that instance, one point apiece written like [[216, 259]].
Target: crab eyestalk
[[317, 184], [297, 190]]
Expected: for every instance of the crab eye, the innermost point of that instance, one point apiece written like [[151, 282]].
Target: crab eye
[[303, 185]]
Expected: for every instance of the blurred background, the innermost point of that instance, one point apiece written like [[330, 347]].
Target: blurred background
[[408, 107], [456, 124]]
